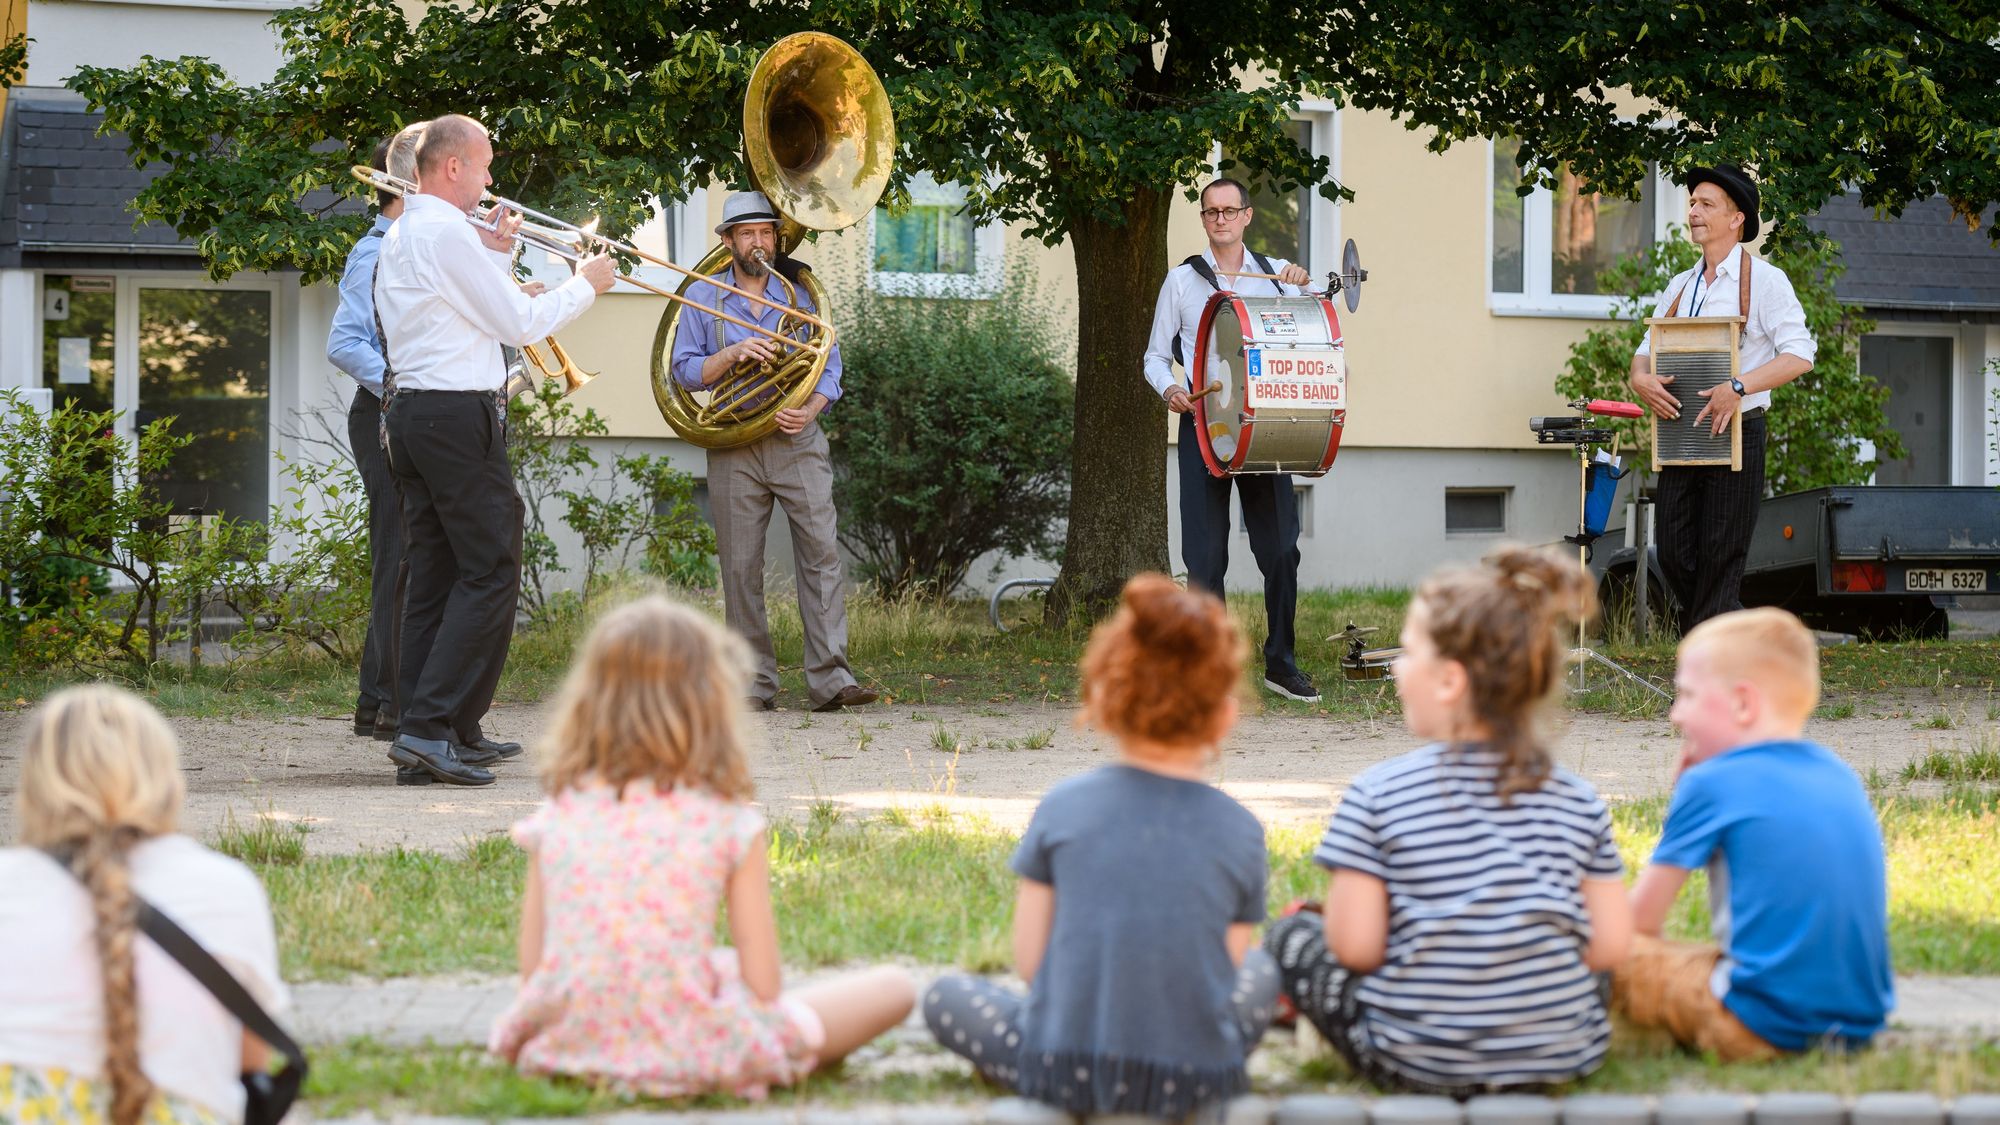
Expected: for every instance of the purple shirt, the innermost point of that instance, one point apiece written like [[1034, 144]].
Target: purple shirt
[[696, 340]]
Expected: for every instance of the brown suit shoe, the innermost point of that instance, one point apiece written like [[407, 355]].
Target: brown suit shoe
[[853, 695]]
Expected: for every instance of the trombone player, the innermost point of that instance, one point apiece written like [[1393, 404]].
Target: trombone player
[[790, 466], [447, 302]]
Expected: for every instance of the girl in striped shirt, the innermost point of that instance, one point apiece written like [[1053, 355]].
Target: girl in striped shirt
[[1476, 889]]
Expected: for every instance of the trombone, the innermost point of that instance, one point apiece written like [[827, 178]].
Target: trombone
[[571, 243]]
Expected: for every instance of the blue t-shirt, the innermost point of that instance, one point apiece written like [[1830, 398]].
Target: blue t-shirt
[[1130, 1011], [1797, 888]]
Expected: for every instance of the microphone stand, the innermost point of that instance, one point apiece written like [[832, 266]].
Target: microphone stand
[[1581, 438]]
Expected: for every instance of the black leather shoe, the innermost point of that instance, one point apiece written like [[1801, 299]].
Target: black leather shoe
[[365, 719], [759, 703], [853, 695], [485, 751], [385, 727], [407, 776], [434, 756]]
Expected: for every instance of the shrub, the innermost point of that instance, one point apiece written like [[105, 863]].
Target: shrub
[[952, 436]]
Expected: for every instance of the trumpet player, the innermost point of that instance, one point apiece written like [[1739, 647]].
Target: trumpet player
[[354, 346], [447, 303], [790, 466]]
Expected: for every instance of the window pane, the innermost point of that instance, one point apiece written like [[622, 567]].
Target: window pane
[[205, 359], [934, 236], [656, 235], [1590, 231], [1282, 224], [1509, 217], [77, 319], [1475, 511]]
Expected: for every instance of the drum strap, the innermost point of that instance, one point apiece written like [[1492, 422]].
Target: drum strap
[[1742, 287], [1200, 265]]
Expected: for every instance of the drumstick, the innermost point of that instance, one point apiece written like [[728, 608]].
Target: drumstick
[[1270, 277], [1206, 391]]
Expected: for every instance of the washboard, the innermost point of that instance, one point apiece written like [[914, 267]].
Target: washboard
[[1699, 352]]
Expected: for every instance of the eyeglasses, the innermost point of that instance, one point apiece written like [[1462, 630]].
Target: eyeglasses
[[1225, 214]]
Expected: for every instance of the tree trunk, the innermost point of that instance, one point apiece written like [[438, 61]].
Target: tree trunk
[[1118, 462]]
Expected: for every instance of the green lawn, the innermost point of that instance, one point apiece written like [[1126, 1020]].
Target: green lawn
[[926, 652], [936, 891], [398, 1081]]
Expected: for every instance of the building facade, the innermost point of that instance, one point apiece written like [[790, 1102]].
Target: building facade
[[1474, 298]]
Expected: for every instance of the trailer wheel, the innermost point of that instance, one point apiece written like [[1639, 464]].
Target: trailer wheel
[[1614, 601], [1905, 619]]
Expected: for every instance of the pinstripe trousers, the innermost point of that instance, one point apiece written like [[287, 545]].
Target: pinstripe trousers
[[1706, 516]]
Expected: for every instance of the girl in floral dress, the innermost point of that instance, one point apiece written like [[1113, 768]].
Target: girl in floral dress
[[646, 835]]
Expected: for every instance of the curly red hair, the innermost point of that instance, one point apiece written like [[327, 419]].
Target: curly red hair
[[1164, 666]]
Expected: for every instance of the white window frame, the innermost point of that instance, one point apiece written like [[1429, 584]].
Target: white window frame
[[989, 259], [1537, 236], [1324, 115], [279, 402]]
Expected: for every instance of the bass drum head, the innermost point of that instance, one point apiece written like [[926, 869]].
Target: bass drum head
[[1225, 411]]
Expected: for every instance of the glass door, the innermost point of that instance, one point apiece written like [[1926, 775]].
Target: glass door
[[204, 358], [79, 325]]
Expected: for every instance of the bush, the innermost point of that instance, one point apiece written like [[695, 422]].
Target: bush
[[951, 438]]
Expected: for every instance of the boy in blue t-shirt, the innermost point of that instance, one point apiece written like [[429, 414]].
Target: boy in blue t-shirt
[[1797, 885]]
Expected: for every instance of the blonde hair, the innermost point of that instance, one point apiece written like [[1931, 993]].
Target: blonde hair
[[1507, 621], [403, 152], [100, 771], [656, 694], [1769, 648]]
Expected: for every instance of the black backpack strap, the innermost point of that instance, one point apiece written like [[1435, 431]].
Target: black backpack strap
[[203, 967], [373, 234], [1264, 265], [1199, 265]]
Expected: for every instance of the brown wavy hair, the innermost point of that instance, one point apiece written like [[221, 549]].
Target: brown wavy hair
[[655, 694], [1163, 666], [1508, 620], [100, 772]]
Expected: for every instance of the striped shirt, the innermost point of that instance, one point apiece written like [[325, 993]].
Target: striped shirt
[[1484, 982]]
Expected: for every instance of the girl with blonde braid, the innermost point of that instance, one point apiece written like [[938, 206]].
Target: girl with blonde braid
[[97, 1026]]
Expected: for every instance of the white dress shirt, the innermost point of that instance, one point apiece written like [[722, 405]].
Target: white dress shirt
[[52, 992], [1777, 321], [447, 302], [1183, 296]]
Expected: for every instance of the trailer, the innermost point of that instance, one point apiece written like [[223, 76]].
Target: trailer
[[1877, 561]]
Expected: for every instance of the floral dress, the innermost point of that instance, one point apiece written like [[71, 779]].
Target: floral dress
[[31, 1095], [632, 989]]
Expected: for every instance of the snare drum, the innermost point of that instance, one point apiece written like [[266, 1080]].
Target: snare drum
[[1284, 385]]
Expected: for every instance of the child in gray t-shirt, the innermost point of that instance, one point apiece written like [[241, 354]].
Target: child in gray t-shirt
[[1141, 889]]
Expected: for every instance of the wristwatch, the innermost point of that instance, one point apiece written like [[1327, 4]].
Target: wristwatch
[[1736, 385]]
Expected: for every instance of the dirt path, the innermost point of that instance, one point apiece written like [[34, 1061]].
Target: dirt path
[[1286, 767]]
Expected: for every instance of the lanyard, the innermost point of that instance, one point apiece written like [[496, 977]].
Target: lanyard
[[1698, 298]]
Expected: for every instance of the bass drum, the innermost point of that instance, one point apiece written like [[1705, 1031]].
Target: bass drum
[[1283, 375]]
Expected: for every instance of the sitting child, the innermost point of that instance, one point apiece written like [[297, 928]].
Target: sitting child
[[1476, 887], [1796, 875], [1141, 886], [646, 834]]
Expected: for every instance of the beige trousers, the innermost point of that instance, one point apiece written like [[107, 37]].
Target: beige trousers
[[794, 470], [1665, 984]]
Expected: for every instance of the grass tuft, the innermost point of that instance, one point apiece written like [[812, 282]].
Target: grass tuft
[[1975, 764], [265, 841]]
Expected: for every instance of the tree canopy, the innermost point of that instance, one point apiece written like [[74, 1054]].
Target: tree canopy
[[1081, 119]]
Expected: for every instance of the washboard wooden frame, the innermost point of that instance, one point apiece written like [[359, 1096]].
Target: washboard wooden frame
[[1700, 352]]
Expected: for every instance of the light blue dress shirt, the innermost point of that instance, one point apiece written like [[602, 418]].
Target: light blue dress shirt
[[353, 345], [696, 340]]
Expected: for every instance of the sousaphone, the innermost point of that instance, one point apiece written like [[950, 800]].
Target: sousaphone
[[819, 139]]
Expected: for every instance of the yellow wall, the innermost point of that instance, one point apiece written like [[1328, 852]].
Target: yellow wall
[[13, 21]]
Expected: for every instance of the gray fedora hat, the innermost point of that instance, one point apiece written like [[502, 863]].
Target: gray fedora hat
[[746, 207]]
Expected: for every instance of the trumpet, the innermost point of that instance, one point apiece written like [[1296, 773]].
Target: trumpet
[[573, 243]]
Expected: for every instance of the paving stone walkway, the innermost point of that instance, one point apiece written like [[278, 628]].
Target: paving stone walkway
[[456, 1010]]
